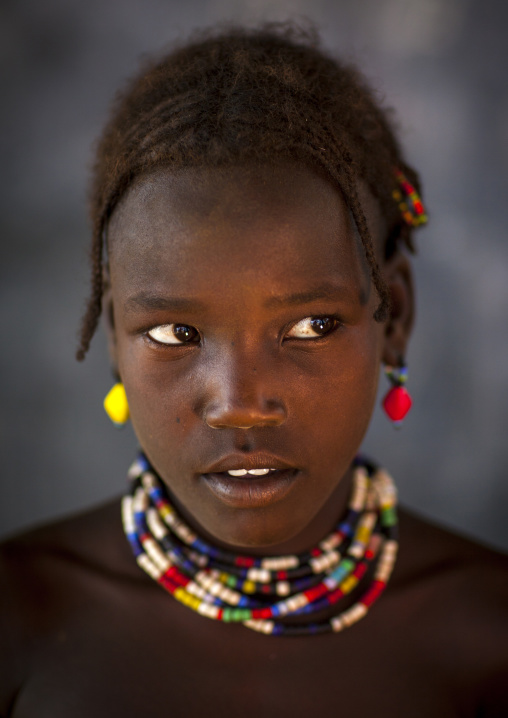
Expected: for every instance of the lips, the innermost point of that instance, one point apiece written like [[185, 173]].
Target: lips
[[259, 460], [250, 491]]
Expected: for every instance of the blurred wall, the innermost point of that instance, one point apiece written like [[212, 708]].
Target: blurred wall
[[440, 63]]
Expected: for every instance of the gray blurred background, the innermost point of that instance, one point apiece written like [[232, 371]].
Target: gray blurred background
[[441, 64]]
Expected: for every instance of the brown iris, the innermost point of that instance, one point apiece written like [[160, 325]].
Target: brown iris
[[185, 333], [322, 325]]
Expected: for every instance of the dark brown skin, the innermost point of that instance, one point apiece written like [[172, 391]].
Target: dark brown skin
[[88, 633]]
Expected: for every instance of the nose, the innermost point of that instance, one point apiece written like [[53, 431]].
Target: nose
[[242, 397]]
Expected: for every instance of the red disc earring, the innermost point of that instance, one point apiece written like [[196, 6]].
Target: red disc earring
[[397, 401]]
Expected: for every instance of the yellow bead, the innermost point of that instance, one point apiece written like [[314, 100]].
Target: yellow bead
[[363, 534], [116, 405], [249, 586], [180, 595], [348, 584], [165, 511], [195, 603]]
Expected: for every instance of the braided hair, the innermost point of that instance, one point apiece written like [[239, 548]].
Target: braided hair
[[240, 95]]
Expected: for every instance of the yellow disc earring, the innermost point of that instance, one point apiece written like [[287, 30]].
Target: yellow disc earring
[[116, 405]]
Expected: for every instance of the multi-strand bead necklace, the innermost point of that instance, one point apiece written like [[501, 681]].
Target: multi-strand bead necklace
[[259, 591]]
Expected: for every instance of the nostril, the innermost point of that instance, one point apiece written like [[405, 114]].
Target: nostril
[[235, 417], [239, 424]]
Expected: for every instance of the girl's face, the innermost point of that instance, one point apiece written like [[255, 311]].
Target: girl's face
[[244, 336]]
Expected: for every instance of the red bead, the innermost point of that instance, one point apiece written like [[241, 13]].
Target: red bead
[[397, 403], [312, 594], [360, 570], [334, 596], [244, 561], [373, 592]]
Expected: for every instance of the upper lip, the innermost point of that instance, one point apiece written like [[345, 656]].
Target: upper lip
[[248, 461]]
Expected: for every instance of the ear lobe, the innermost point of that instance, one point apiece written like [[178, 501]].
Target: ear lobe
[[399, 279], [109, 321]]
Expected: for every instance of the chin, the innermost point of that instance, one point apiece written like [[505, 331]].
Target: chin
[[256, 534]]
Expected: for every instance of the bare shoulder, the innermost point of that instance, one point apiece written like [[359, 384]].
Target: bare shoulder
[[64, 554], [80, 539], [450, 594], [46, 573], [90, 542], [434, 556]]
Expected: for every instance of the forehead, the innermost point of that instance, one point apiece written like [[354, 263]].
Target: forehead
[[284, 221]]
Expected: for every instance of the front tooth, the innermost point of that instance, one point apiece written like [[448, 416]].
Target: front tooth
[[259, 472], [237, 472]]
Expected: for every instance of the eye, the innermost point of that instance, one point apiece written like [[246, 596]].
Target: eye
[[174, 334], [312, 327]]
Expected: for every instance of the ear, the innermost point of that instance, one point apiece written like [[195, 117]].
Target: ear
[[109, 321], [398, 276]]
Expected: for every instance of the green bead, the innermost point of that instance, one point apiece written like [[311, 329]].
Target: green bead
[[389, 517], [244, 614]]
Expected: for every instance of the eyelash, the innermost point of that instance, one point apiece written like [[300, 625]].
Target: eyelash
[[337, 324]]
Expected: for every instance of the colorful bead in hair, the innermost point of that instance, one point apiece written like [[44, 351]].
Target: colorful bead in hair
[[409, 201]]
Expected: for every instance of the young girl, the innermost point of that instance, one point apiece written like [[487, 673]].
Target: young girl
[[252, 212]]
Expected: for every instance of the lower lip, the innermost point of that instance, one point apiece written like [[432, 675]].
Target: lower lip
[[250, 491]]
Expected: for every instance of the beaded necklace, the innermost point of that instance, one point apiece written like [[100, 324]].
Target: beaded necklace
[[257, 591]]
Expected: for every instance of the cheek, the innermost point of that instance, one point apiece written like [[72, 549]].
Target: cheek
[[157, 393], [341, 400]]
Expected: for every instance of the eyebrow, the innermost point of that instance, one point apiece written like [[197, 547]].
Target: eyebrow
[[145, 300], [326, 291]]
